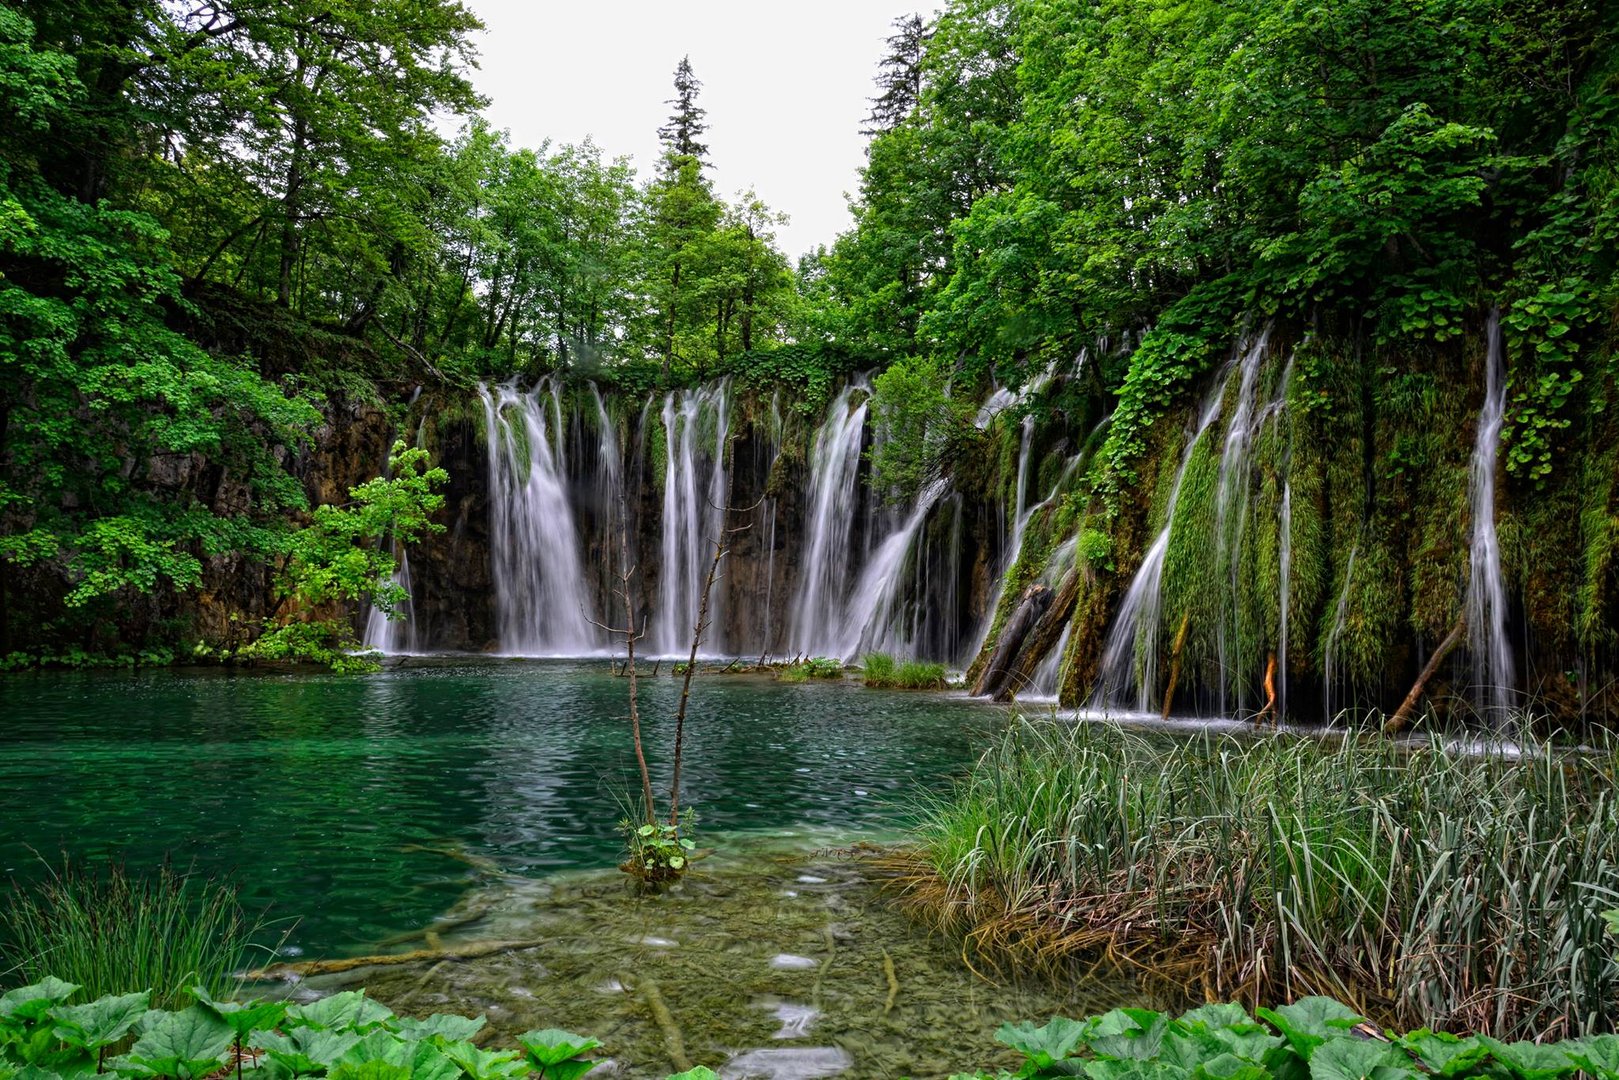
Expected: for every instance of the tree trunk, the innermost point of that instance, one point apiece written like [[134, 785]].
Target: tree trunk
[[1043, 638], [1175, 664], [996, 673], [1402, 716]]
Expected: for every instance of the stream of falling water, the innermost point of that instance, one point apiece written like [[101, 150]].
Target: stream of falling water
[[834, 501], [1486, 589], [542, 597], [696, 427]]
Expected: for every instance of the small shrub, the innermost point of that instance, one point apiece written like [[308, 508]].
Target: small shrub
[[658, 852], [819, 667], [113, 933]]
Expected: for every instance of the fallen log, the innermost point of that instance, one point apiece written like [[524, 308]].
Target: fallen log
[[1043, 638], [1402, 716], [472, 950], [996, 673], [1175, 663]]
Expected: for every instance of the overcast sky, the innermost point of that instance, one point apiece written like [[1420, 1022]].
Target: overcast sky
[[786, 86]]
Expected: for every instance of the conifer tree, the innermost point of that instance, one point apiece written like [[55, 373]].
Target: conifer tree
[[686, 125], [899, 76]]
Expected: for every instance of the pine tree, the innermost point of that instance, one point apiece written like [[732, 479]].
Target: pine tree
[[680, 135], [899, 77]]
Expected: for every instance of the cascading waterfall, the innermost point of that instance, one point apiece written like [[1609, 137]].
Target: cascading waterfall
[[398, 635], [1339, 621], [834, 500], [695, 495], [1043, 683], [1137, 617], [1486, 588], [542, 597], [1231, 511], [869, 622]]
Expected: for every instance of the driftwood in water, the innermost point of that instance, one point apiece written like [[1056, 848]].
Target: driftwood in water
[[999, 669], [1402, 716], [672, 1041], [1175, 663], [1043, 638], [472, 950]]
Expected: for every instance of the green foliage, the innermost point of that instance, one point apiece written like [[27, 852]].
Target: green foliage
[[339, 557], [658, 851], [1427, 884], [114, 933], [1314, 1036], [881, 671], [817, 667], [924, 426]]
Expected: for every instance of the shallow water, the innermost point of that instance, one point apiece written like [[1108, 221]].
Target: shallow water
[[364, 807], [766, 962]]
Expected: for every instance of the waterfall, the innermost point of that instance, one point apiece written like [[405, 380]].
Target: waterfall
[[1337, 632], [870, 623], [542, 598], [1486, 589], [695, 495], [1231, 512], [1137, 618], [1043, 683], [834, 501], [1284, 558], [397, 635]]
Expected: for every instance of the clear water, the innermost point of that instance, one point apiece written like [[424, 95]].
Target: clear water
[[367, 807]]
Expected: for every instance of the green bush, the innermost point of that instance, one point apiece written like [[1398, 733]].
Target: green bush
[[883, 672], [113, 933], [818, 667], [1315, 1037], [344, 1037]]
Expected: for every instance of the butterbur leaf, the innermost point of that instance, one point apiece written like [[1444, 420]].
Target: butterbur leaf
[[1128, 1033], [699, 1073], [1127, 1069], [382, 1046], [1598, 1055], [1359, 1059], [442, 1026], [1217, 1016], [568, 1070], [1531, 1061], [34, 1072], [244, 1017], [552, 1046], [1309, 1022], [28, 1004], [1443, 1053], [1188, 1049], [350, 1010], [484, 1064], [1229, 1067], [1044, 1046], [100, 1023], [185, 1045], [370, 1070], [304, 1051], [1249, 1042], [429, 1064]]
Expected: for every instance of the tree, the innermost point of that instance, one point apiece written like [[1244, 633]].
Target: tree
[[685, 128], [899, 77]]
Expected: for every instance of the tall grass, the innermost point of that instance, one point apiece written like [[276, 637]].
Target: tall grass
[[1425, 887], [115, 933], [883, 672]]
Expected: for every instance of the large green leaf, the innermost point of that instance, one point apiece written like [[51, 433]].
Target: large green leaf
[[350, 1011], [552, 1046], [371, 1070], [185, 1045], [1359, 1059], [699, 1073], [30, 1003], [102, 1022], [442, 1026], [1443, 1053], [1133, 1069], [244, 1017], [1310, 1021], [384, 1046], [1229, 1067], [1531, 1061], [1134, 1034], [1597, 1055], [484, 1064], [304, 1051], [1044, 1046]]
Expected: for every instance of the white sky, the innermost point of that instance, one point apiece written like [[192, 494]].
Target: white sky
[[786, 85]]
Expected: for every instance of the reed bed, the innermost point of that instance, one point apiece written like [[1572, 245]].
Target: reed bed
[[112, 932], [883, 672], [1424, 886]]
